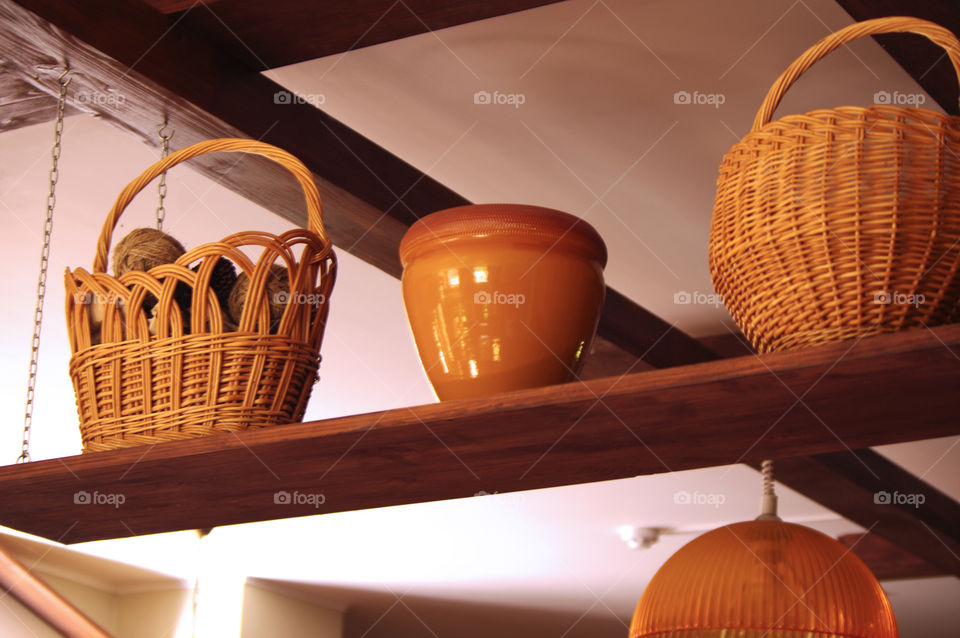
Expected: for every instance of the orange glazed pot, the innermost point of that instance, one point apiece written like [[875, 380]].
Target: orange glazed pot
[[501, 296]]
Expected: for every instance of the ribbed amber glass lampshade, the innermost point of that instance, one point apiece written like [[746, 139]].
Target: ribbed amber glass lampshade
[[763, 578]]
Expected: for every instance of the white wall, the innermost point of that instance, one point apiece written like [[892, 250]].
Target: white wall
[[16, 621], [268, 614], [414, 617], [166, 613], [153, 614]]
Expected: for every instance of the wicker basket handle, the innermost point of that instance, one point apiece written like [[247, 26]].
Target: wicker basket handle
[[239, 145], [931, 30]]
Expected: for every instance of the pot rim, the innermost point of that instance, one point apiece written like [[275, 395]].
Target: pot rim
[[552, 227]]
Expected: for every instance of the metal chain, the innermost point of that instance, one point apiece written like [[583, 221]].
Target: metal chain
[[63, 81], [162, 188]]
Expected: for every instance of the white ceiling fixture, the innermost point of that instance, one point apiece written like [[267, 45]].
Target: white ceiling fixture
[[640, 537]]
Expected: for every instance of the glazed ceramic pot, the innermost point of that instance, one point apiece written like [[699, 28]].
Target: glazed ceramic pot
[[501, 296]]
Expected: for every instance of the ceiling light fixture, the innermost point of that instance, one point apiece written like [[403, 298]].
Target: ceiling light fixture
[[640, 537], [764, 578]]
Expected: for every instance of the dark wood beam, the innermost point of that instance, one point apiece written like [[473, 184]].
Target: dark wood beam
[[923, 60], [844, 482], [643, 334], [140, 67], [886, 560], [877, 494], [25, 105], [675, 419], [609, 360], [370, 196], [281, 32], [176, 6], [728, 344], [847, 482]]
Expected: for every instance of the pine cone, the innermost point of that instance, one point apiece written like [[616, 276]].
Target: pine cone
[[221, 281], [277, 292]]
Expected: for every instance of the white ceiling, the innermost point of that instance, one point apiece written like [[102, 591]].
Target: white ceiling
[[598, 119]]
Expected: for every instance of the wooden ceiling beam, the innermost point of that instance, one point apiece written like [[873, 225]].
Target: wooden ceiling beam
[[176, 6], [370, 196], [850, 482], [267, 35], [183, 80], [877, 494], [645, 335], [25, 105], [923, 60], [680, 418], [728, 344], [886, 560]]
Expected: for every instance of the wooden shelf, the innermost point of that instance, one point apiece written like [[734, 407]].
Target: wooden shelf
[[881, 390]]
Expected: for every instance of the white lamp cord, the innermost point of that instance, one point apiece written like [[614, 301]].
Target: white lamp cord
[[768, 504]]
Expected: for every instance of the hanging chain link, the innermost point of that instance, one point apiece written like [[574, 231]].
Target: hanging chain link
[[24, 457], [162, 188]]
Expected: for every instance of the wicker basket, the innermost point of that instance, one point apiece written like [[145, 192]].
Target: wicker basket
[[197, 379], [844, 222]]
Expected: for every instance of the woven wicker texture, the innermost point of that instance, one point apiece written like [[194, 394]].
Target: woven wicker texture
[[840, 223], [195, 378]]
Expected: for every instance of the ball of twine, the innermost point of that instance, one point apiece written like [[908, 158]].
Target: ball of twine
[[278, 281], [143, 249]]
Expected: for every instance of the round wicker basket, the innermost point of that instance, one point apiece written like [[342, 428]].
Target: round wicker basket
[[197, 375], [840, 223]]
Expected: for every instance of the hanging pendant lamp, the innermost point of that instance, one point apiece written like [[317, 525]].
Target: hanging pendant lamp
[[764, 578]]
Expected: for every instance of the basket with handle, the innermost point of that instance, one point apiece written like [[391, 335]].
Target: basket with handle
[[840, 223], [201, 376]]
